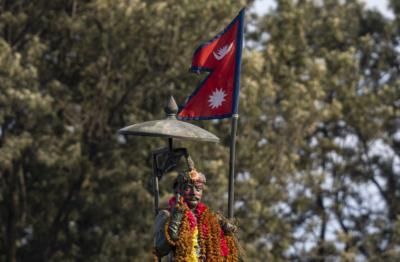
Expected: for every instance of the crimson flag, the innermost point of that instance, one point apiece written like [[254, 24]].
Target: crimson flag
[[217, 96]]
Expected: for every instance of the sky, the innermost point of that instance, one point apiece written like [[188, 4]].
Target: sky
[[381, 5], [262, 6]]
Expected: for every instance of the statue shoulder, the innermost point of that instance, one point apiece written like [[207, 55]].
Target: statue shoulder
[[162, 248], [162, 216]]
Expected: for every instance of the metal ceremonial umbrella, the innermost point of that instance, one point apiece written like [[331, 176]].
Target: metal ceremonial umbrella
[[170, 127], [165, 159]]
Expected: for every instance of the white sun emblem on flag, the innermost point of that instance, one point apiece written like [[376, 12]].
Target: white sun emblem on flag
[[216, 98]]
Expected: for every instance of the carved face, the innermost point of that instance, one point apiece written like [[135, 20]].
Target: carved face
[[190, 186], [192, 193]]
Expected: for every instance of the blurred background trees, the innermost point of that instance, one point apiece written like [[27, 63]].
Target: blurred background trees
[[318, 167]]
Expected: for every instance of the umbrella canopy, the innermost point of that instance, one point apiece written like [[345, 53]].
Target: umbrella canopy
[[170, 127]]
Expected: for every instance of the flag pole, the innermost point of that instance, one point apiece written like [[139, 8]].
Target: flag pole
[[235, 116], [232, 153], [207, 58]]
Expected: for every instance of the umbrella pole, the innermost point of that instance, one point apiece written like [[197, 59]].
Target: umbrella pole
[[156, 192], [170, 144], [156, 189]]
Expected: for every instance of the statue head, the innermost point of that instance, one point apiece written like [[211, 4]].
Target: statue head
[[190, 186]]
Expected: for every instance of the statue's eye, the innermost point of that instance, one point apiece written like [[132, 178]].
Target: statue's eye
[[187, 188]]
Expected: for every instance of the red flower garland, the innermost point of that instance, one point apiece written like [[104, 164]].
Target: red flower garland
[[210, 233]]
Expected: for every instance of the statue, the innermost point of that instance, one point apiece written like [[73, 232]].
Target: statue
[[188, 230]]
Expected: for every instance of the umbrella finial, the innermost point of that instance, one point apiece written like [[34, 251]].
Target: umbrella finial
[[171, 108]]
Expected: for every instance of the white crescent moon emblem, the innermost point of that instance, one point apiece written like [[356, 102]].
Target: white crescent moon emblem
[[223, 51]]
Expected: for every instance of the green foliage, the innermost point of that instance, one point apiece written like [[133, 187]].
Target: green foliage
[[322, 112], [318, 127], [72, 74]]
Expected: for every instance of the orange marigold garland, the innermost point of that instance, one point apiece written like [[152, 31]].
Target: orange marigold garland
[[233, 254], [203, 232], [167, 236], [184, 245], [214, 244]]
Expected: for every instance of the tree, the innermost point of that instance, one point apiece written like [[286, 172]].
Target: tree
[[327, 85], [73, 73]]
